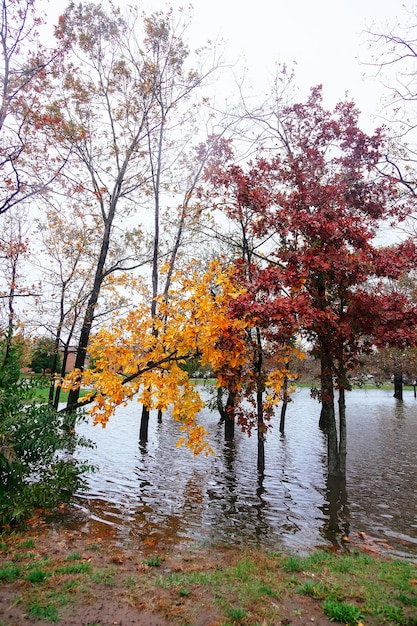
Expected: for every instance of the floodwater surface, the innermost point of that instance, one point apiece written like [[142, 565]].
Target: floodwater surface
[[161, 494]]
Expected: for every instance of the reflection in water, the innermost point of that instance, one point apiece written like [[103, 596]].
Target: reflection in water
[[335, 510], [159, 493], [399, 410]]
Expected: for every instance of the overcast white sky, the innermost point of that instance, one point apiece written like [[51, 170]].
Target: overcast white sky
[[325, 38]]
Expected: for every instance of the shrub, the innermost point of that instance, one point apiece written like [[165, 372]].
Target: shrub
[[37, 464]]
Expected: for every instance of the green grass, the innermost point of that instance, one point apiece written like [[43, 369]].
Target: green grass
[[41, 394], [37, 576], [347, 587], [74, 568], [153, 561], [28, 543], [47, 612], [342, 612], [9, 572]]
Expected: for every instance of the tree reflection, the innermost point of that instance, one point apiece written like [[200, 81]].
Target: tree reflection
[[336, 511]]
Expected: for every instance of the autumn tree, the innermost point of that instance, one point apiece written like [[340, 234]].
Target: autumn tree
[[197, 319], [270, 342], [15, 289], [172, 124], [100, 112], [320, 195], [65, 257], [24, 64], [114, 97]]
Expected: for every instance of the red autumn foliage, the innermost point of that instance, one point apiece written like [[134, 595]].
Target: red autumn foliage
[[321, 197]]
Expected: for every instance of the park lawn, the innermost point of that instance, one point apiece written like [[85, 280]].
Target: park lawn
[[41, 394]]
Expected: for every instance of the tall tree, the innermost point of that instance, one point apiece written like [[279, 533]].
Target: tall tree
[[320, 196], [14, 251], [101, 114], [120, 87], [172, 125], [24, 65], [66, 259]]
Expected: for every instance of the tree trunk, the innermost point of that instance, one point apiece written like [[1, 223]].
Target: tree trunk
[[327, 415], [284, 405], [81, 354], [342, 433], [261, 432], [227, 412], [144, 425], [54, 368], [229, 422], [261, 455], [336, 509], [398, 385], [333, 458]]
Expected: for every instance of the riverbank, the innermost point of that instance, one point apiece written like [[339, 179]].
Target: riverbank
[[49, 574]]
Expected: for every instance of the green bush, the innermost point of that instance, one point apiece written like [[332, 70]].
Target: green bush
[[44, 357], [37, 463]]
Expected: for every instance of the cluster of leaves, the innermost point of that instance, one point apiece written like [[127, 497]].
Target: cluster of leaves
[[143, 356], [37, 468]]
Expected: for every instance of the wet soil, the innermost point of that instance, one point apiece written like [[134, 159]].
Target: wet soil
[[128, 591]]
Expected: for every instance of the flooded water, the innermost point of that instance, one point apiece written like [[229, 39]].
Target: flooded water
[[160, 494]]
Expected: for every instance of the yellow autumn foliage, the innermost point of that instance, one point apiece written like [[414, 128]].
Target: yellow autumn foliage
[[140, 356]]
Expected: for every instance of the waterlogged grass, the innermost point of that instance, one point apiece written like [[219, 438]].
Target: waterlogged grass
[[357, 586], [250, 588], [347, 588]]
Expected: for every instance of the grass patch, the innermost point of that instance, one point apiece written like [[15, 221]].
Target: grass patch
[[74, 568], [347, 588], [47, 612], [37, 576], [293, 564], [9, 572], [342, 612], [106, 576], [236, 588], [237, 615], [153, 561], [27, 544], [41, 394], [74, 556]]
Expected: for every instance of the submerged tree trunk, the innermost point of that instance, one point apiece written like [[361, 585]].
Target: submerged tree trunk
[[333, 459], [261, 435], [342, 433], [398, 384], [284, 404], [227, 412], [144, 425], [229, 422], [259, 403], [327, 415]]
